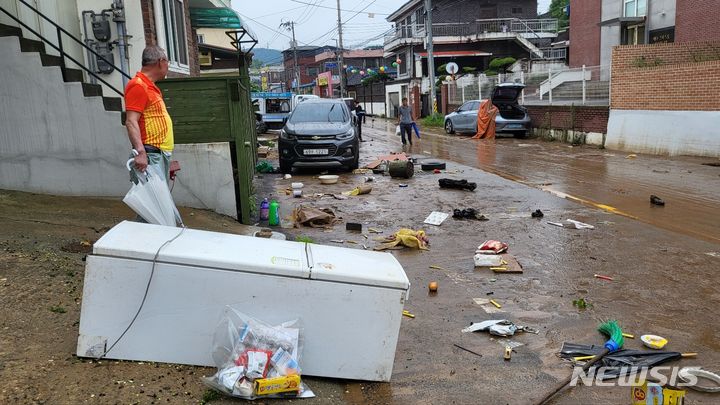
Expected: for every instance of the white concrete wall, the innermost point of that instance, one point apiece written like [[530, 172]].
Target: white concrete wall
[[393, 88], [377, 107], [63, 12], [544, 66], [694, 133], [134, 27], [205, 178], [56, 141], [661, 13], [215, 37], [609, 34], [611, 9]]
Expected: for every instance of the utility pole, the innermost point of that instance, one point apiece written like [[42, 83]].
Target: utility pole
[[290, 26], [338, 55], [342, 62], [431, 61]]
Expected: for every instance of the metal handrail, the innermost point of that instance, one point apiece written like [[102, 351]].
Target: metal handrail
[[512, 25], [60, 30]]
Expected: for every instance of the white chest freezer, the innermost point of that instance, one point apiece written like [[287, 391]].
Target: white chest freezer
[[349, 301]]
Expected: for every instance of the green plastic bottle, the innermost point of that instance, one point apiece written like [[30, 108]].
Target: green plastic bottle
[[274, 215]]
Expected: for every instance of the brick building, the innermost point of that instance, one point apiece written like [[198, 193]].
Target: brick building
[[467, 32], [585, 33], [664, 98], [359, 59], [697, 20], [307, 67], [598, 26], [179, 40]]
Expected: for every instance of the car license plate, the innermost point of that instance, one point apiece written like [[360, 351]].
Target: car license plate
[[315, 152], [514, 126]]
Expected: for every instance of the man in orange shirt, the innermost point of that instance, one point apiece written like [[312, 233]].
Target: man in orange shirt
[[148, 123]]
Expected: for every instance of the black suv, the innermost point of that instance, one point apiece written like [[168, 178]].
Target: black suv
[[319, 133]]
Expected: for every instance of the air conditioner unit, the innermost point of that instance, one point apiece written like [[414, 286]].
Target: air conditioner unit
[[205, 59]]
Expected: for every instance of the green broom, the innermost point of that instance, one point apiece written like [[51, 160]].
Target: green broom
[[615, 343]]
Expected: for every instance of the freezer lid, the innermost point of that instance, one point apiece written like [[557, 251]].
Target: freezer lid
[[135, 240], [356, 266]]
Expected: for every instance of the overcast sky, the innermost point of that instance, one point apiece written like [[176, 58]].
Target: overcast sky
[[317, 25]]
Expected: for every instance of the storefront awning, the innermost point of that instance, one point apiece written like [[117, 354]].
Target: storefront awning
[[221, 17], [240, 34]]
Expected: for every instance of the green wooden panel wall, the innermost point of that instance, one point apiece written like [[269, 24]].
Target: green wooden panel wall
[[218, 109]]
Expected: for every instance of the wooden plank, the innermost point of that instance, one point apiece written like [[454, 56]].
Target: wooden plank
[[512, 266]]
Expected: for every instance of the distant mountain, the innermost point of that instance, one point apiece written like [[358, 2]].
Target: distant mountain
[[267, 56]]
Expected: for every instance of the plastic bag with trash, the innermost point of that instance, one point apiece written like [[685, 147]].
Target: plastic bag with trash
[[257, 360]]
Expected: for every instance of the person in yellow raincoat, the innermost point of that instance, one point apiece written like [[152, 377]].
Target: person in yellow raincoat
[[486, 120]]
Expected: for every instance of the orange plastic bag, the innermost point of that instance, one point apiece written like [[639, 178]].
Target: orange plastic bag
[[486, 121]]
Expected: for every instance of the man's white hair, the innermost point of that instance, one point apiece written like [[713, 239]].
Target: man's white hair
[[152, 55]]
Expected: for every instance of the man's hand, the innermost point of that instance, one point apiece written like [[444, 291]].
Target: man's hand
[[141, 161]]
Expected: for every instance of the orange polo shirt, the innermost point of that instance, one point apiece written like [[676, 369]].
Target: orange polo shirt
[[143, 96]]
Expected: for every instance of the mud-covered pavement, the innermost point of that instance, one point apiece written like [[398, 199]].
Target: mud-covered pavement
[[664, 278]]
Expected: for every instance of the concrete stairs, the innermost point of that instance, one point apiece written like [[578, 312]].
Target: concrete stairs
[[529, 45], [71, 75], [60, 135], [573, 90]]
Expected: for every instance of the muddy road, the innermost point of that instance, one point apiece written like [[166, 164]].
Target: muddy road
[[664, 277]]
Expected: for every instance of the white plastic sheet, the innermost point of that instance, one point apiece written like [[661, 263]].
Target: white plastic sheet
[[151, 199]]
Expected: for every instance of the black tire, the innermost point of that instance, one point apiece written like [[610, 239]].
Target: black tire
[[285, 167], [432, 165], [355, 163], [449, 128], [521, 135]]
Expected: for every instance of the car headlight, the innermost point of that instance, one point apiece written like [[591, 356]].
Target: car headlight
[[286, 136], [347, 135]]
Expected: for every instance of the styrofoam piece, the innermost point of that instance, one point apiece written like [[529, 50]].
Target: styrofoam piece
[[436, 218]]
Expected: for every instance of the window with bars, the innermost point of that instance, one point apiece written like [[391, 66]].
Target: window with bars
[[420, 16], [173, 19]]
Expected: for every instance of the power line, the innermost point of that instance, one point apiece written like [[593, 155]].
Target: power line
[[335, 8], [279, 12], [304, 13], [263, 25], [310, 14]]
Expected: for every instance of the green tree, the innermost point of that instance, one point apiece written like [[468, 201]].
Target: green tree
[[557, 10], [499, 65], [256, 64]]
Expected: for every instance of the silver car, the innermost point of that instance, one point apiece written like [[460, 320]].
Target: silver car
[[512, 117]]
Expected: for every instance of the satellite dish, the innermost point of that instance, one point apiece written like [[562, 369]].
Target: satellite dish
[[452, 68]]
